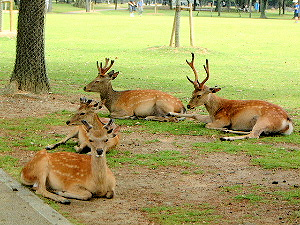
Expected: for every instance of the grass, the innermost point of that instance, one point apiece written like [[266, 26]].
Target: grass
[[165, 158], [186, 214], [249, 59]]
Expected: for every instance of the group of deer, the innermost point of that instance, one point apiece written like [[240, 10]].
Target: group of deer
[[80, 176]]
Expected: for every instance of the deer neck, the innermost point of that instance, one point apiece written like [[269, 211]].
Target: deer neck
[[213, 104], [99, 167], [108, 94]]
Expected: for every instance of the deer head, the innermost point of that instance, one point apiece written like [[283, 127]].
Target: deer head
[[98, 141], [87, 109], [103, 78], [201, 93]]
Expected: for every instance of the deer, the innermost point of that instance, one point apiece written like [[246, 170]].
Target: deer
[[87, 111], [250, 118], [72, 175], [132, 104]]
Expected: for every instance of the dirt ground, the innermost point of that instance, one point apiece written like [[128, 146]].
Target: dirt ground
[[140, 187]]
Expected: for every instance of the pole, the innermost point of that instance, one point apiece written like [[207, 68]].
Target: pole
[[1, 15], [11, 15], [250, 8], [177, 27], [173, 32], [191, 26]]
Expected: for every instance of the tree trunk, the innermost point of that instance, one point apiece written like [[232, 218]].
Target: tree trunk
[[218, 7], [263, 9], [29, 73]]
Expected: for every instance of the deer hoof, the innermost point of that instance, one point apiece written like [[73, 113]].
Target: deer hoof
[[66, 202], [48, 147], [226, 139]]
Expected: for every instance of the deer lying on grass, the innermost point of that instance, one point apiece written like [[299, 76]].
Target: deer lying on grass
[[72, 175], [87, 112], [241, 115], [148, 104]]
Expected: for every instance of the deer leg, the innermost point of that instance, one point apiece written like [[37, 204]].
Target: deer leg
[[73, 133], [218, 125], [110, 194], [201, 118], [76, 193], [260, 126], [42, 190]]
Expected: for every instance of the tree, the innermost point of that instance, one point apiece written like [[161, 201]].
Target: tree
[[263, 9], [29, 72]]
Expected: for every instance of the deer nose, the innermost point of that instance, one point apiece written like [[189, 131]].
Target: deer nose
[[188, 106], [84, 88], [99, 151], [68, 122]]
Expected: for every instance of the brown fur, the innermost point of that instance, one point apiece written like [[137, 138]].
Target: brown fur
[[87, 112], [71, 175], [254, 116], [149, 104]]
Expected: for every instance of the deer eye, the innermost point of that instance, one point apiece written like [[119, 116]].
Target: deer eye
[[82, 114], [91, 140], [199, 96], [106, 140]]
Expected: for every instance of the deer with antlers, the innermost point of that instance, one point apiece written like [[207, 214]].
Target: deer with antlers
[[253, 116], [148, 104], [72, 175], [88, 111]]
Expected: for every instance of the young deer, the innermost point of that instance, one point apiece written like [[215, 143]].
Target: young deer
[[72, 175], [241, 115], [87, 112], [148, 104]]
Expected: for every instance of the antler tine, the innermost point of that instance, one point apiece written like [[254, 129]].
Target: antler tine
[[104, 69], [191, 64], [207, 73], [99, 67]]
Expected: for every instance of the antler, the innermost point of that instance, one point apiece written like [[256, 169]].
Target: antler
[[196, 83], [207, 73], [102, 70], [191, 64]]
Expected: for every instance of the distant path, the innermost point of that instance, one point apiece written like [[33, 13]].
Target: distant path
[[96, 10]]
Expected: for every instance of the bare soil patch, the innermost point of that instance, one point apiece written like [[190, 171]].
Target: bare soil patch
[[140, 187]]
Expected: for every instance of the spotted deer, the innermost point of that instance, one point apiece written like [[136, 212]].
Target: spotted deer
[[88, 111], [72, 175], [148, 104], [253, 116]]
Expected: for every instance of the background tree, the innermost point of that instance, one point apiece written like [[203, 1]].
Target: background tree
[[263, 8], [29, 72]]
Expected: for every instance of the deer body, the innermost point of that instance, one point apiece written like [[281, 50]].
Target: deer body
[[150, 104], [254, 116], [71, 175]]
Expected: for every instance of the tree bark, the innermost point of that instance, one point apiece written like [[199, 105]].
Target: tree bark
[[29, 72], [263, 9]]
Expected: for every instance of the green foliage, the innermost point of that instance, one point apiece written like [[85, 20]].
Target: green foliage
[[185, 214]]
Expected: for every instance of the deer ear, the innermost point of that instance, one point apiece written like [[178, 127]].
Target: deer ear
[[214, 89], [114, 76]]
